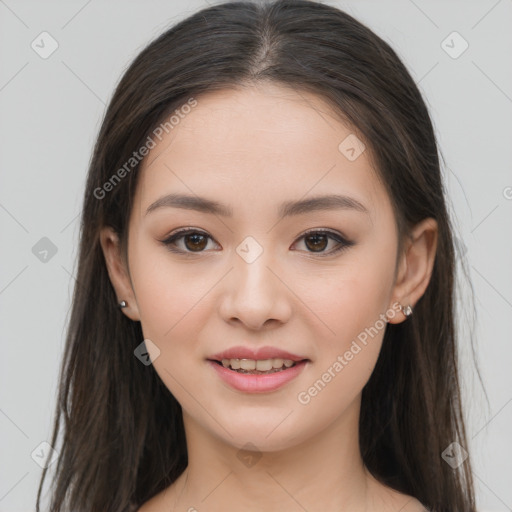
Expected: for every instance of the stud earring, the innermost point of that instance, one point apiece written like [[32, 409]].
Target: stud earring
[[123, 304], [407, 311]]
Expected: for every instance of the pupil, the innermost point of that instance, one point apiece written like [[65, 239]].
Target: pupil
[[195, 237], [198, 241], [322, 238]]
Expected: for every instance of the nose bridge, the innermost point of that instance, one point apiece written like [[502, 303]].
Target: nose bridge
[[254, 293], [251, 262]]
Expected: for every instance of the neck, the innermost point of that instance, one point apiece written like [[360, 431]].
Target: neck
[[324, 472]]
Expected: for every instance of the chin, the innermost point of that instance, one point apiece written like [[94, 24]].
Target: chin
[[261, 434]]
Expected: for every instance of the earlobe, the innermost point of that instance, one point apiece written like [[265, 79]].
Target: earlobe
[[416, 267], [118, 273]]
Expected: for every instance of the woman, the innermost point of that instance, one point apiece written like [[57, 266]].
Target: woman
[[264, 314]]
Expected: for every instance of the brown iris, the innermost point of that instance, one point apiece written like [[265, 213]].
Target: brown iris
[[199, 241], [319, 242]]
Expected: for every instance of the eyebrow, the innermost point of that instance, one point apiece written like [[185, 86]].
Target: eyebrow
[[288, 208]]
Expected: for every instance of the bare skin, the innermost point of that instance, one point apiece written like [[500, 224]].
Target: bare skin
[[380, 498], [251, 149]]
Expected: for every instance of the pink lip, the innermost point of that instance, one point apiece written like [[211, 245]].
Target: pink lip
[[241, 352], [252, 383]]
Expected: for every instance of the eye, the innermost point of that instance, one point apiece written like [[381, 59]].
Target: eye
[[194, 240], [318, 240]]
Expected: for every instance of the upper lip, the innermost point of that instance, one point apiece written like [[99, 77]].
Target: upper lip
[[261, 353]]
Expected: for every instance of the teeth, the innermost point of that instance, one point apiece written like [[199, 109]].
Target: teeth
[[247, 364], [278, 362], [262, 365]]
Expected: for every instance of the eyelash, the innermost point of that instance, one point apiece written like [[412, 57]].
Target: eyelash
[[169, 242]]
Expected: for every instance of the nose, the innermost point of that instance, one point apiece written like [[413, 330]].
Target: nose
[[255, 294]]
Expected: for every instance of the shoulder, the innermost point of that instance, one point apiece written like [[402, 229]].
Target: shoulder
[[158, 502], [149, 506], [387, 498], [406, 503], [413, 505]]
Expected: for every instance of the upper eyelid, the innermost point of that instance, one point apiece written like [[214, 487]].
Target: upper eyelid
[[186, 231], [180, 233]]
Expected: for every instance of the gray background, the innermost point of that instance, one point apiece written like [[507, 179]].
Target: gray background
[[50, 112]]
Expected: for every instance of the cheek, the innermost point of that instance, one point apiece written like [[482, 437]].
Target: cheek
[[174, 303], [347, 359], [167, 293], [351, 303], [351, 299]]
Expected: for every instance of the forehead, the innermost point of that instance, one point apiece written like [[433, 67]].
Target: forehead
[[245, 120], [259, 144]]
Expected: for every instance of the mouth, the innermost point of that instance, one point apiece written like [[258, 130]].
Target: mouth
[[257, 375], [264, 370], [258, 366]]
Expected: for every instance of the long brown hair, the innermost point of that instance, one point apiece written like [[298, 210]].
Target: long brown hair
[[123, 436]]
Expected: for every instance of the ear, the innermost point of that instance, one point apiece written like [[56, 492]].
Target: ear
[[415, 267], [117, 271]]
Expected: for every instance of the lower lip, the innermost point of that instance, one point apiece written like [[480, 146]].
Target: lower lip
[[252, 383]]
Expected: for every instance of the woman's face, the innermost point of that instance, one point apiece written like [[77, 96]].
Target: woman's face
[[252, 278]]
